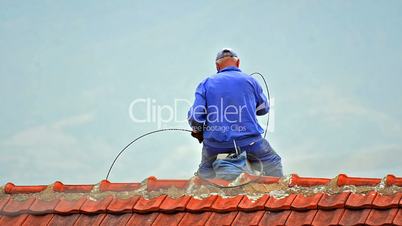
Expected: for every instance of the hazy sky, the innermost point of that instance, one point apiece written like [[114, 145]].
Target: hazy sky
[[70, 69]]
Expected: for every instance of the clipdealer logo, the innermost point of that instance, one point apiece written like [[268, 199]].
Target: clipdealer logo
[[148, 110]]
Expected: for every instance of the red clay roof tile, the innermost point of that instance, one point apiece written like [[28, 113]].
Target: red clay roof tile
[[274, 218], [302, 202], [92, 205], [281, 203], [328, 217], [65, 220], [119, 205], [301, 217], [15, 207], [248, 218], [226, 204], [178, 204], [38, 220], [116, 219], [13, 220], [387, 201], [332, 201], [381, 217], [147, 205], [398, 218], [92, 219], [3, 202], [354, 217], [142, 219], [356, 200], [190, 218], [168, 218], [201, 204], [82, 204], [68, 206], [251, 205], [40, 206], [221, 218]]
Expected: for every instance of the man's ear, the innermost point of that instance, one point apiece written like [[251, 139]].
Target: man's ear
[[217, 66], [238, 63]]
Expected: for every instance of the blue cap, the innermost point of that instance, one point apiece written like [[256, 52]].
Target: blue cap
[[224, 53]]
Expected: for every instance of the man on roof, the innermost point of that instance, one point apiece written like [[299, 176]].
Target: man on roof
[[224, 115]]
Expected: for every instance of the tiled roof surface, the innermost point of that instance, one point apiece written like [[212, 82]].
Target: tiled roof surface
[[291, 200]]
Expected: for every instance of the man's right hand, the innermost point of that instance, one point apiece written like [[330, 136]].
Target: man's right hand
[[198, 135]]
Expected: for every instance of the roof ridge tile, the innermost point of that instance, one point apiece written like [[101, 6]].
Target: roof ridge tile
[[343, 179], [393, 180], [11, 188], [72, 188], [307, 181], [106, 185], [154, 184]]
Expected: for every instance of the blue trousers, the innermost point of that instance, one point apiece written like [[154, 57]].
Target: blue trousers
[[260, 154]]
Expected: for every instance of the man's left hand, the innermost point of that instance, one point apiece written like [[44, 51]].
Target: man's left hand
[[198, 135]]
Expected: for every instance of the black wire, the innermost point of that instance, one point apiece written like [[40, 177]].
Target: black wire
[[204, 179], [269, 99], [144, 135], [187, 130]]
